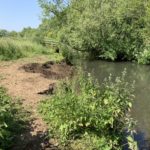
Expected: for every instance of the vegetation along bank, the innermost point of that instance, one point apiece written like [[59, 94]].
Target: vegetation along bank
[[83, 114]]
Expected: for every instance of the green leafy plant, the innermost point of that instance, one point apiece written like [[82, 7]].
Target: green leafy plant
[[81, 110], [144, 57], [12, 120]]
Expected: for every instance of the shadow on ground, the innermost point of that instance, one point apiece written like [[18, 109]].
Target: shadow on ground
[[28, 141]]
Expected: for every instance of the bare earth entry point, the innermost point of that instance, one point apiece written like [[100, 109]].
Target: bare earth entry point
[[50, 69]]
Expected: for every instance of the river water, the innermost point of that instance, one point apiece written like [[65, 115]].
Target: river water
[[141, 105]]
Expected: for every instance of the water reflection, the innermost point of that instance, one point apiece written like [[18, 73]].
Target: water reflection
[[141, 107]]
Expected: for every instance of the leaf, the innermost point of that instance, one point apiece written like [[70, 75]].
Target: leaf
[[105, 101], [87, 124], [80, 124], [130, 104]]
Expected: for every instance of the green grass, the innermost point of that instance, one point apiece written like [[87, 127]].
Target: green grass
[[12, 49], [55, 57], [12, 120]]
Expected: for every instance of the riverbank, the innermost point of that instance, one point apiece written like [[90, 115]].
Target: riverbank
[[85, 115], [26, 86], [135, 73], [32, 80]]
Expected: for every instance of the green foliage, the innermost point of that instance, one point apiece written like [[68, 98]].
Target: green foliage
[[144, 57], [12, 120], [113, 30], [68, 55], [35, 35], [3, 33], [28, 33], [11, 49], [81, 111]]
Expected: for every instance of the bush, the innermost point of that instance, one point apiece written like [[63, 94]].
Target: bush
[[12, 120], [144, 57], [68, 55], [81, 111]]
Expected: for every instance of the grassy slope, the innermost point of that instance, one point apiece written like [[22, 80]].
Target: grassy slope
[[11, 49]]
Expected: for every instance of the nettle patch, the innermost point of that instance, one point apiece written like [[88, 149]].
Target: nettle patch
[[87, 116]]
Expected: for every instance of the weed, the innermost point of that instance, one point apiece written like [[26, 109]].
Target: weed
[[88, 115], [12, 120]]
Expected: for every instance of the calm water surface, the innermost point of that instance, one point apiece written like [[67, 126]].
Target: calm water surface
[[141, 106]]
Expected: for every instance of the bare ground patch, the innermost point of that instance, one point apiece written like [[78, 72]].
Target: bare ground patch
[[50, 69], [25, 81]]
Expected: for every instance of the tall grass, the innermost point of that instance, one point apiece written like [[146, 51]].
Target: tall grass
[[11, 49]]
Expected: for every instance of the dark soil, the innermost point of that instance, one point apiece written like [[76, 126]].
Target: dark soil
[[50, 70], [50, 90], [40, 141]]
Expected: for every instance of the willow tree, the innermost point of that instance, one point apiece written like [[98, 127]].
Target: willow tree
[[109, 29]]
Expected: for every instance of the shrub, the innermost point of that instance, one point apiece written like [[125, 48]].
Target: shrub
[[81, 111], [144, 57], [12, 120], [68, 55]]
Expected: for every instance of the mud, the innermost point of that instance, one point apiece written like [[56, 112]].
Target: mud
[[50, 90], [50, 69]]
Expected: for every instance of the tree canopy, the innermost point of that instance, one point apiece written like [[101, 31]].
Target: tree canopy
[[114, 29]]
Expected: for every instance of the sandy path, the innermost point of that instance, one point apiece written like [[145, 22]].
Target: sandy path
[[25, 85]]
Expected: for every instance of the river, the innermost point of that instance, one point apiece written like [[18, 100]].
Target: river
[[141, 105]]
